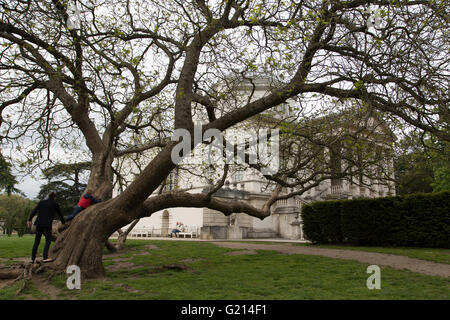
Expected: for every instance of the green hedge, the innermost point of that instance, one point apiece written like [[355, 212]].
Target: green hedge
[[419, 220], [321, 221]]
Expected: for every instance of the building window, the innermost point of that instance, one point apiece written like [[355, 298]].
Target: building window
[[238, 177]]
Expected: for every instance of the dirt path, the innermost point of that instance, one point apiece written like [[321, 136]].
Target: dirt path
[[45, 287], [381, 259]]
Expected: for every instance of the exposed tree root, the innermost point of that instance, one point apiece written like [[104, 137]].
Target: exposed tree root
[[9, 273], [26, 277], [25, 272]]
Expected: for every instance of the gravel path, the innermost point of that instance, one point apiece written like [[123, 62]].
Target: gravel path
[[381, 259]]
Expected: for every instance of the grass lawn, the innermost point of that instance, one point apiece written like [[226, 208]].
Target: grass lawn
[[14, 247], [144, 272]]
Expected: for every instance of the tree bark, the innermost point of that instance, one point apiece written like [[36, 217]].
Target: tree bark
[[110, 246], [10, 274], [100, 179], [120, 245], [82, 242]]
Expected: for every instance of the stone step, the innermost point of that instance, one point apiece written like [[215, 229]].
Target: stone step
[[262, 234]]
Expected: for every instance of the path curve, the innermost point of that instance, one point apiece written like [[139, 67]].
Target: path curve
[[381, 259]]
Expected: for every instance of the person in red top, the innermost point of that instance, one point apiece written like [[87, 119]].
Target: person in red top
[[86, 200]]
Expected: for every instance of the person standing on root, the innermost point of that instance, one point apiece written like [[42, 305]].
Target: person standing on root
[[86, 200], [45, 211]]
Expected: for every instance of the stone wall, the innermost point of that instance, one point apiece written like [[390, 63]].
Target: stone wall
[[214, 218], [223, 232]]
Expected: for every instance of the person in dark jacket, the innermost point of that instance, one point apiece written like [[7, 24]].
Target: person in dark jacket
[[86, 200], [45, 210]]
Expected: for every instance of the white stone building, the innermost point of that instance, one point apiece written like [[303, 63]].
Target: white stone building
[[250, 186]]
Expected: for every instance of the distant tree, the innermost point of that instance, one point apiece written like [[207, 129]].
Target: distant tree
[[7, 179], [440, 163], [22, 215], [442, 179], [412, 169], [14, 213], [66, 180], [422, 165]]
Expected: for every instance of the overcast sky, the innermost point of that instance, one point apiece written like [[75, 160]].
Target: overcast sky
[[30, 187]]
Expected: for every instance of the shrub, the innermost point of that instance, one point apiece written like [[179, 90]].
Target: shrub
[[369, 221], [425, 220], [420, 220], [322, 221]]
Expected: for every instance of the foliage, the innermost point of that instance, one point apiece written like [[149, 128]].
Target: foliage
[[14, 213], [440, 164], [422, 165], [411, 167], [67, 195], [324, 224], [67, 172], [7, 180], [419, 220], [442, 179]]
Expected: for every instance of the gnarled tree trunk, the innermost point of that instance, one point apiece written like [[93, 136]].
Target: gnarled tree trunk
[[100, 179], [82, 242]]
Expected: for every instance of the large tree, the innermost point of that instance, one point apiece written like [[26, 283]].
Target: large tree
[[121, 75]]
